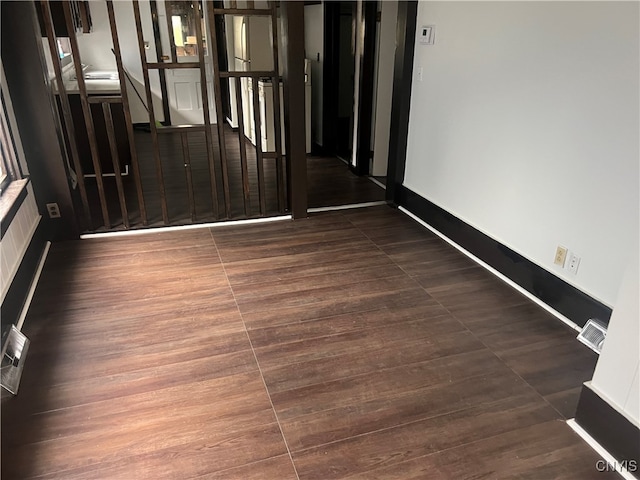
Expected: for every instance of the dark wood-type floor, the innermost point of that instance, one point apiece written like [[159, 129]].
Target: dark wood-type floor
[[354, 344], [329, 183]]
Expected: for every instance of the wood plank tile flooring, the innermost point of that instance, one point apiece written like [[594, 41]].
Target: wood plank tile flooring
[[354, 344]]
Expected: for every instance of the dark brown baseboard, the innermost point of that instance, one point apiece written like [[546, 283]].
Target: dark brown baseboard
[[555, 292], [610, 429]]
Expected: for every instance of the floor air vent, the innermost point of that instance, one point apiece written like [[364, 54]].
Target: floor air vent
[[593, 335], [14, 353]]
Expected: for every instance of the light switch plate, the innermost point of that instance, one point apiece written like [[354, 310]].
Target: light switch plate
[[427, 34]]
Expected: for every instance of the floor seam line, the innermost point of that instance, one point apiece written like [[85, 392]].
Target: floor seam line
[[410, 364], [412, 422], [454, 447], [273, 409], [500, 359], [462, 323]]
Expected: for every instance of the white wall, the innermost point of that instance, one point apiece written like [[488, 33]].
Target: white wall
[[314, 49], [525, 125], [95, 48], [616, 378], [384, 87]]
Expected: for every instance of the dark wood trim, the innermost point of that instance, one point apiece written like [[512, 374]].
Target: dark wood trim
[[366, 95], [127, 112], [204, 93], [246, 189], [608, 427], [292, 17], [163, 74], [255, 74], [164, 66], [555, 292], [16, 296], [101, 99], [214, 52], [281, 182], [86, 113], [186, 156], [150, 110], [242, 11], [223, 60], [259, 159], [401, 98], [115, 159], [329, 71]]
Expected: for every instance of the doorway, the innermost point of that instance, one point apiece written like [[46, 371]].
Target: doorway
[[339, 78], [345, 79], [345, 58], [351, 34]]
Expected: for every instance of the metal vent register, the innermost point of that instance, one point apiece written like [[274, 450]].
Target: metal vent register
[[593, 335], [14, 353]]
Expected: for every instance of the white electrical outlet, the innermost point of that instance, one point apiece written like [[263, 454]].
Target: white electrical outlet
[[574, 263], [54, 210]]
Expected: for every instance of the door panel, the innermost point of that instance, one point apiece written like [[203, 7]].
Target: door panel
[[184, 93], [183, 85]]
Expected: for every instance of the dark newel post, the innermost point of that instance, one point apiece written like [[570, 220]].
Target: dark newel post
[[292, 18]]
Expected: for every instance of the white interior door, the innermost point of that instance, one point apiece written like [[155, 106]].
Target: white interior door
[[183, 84]]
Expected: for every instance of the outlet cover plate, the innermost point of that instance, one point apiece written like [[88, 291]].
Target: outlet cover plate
[[574, 263]]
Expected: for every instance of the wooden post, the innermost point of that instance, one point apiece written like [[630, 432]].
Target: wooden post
[[367, 74], [292, 18], [401, 98]]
